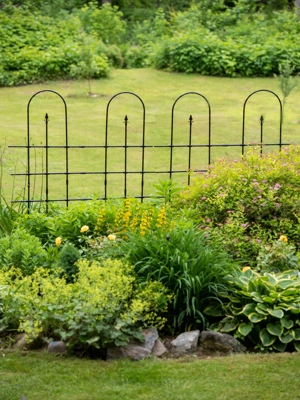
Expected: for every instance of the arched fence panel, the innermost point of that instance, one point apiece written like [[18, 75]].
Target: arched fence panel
[[127, 153]]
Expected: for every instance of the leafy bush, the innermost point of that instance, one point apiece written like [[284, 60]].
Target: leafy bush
[[104, 305], [248, 202], [23, 251], [263, 310], [186, 264], [277, 257]]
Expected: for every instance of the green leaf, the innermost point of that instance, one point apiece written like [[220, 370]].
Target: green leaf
[[296, 334], [249, 309], [257, 297], [214, 311], [254, 317], [297, 346], [289, 292], [229, 327], [275, 329], [266, 338], [268, 299], [245, 328], [287, 338], [286, 323], [275, 313], [285, 283], [279, 346]]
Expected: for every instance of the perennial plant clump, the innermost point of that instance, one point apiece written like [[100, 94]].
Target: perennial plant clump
[[104, 305]]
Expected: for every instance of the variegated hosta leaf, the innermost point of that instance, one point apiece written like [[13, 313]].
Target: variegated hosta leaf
[[249, 309], [255, 318], [245, 328], [296, 333], [297, 346], [279, 346], [266, 338], [229, 327], [275, 329], [277, 313], [287, 338], [286, 323]]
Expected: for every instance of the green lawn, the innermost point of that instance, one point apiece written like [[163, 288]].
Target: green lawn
[[40, 376], [158, 90]]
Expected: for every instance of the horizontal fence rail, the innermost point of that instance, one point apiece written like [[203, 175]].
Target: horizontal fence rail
[[125, 147]]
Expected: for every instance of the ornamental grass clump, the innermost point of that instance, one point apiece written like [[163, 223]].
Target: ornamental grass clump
[[192, 269], [246, 203]]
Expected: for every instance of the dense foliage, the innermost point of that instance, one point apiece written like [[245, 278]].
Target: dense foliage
[[248, 203], [220, 253], [85, 40]]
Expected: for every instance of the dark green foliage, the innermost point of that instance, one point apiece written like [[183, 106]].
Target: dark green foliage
[[187, 265], [68, 257]]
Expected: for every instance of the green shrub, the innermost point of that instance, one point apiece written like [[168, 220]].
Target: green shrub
[[67, 259], [280, 256], [186, 264], [22, 250], [246, 203], [262, 310], [104, 305]]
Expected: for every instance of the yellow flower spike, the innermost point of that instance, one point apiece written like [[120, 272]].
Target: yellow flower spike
[[111, 237], [84, 228], [58, 241], [283, 238]]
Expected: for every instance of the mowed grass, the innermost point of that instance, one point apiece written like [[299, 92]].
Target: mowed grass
[[158, 90], [40, 376]]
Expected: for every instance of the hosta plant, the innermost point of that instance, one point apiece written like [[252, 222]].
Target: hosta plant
[[262, 309]]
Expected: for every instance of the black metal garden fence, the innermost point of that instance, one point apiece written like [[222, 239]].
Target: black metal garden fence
[[140, 170]]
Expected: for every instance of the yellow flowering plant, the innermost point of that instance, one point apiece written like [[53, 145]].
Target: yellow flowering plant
[[104, 305]]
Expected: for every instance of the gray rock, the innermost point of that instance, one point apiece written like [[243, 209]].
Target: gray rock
[[20, 341], [135, 350], [216, 343], [158, 349], [57, 347], [185, 343]]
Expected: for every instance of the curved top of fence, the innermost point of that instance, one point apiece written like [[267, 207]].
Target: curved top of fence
[[187, 93], [118, 94], [49, 91], [263, 90]]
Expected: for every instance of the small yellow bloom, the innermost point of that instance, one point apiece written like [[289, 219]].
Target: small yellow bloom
[[111, 237], [58, 241], [84, 228], [283, 238], [245, 269]]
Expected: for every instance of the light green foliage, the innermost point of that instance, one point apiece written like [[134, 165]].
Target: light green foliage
[[280, 256], [103, 305], [186, 264], [36, 48], [23, 251], [248, 202], [105, 22], [262, 309]]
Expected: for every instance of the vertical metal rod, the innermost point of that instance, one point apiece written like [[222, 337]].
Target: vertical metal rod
[[28, 160], [190, 148], [47, 161], [125, 156], [143, 155], [261, 121], [106, 153], [67, 158]]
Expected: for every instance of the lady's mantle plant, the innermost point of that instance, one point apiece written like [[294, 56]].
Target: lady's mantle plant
[[103, 306]]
